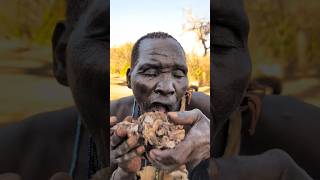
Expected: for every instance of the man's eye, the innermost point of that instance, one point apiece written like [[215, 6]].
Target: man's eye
[[151, 72], [178, 73]]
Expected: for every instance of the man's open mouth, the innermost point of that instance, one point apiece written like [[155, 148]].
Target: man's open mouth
[[160, 107]]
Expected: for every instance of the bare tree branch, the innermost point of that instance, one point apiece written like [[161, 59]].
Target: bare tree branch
[[200, 26]]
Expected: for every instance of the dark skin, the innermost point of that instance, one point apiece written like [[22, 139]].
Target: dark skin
[[63, 122], [276, 164], [230, 64], [160, 74], [282, 123], [80, 63], [87, 72], [38, 147], [191, 151], [158, 81]]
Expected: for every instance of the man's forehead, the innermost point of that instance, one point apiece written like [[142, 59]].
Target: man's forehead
[[158, 60], [161, 47], [161, 53]]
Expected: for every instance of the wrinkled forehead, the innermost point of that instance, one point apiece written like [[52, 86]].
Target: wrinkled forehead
[[166, 46], [230, 14], [161, 49]]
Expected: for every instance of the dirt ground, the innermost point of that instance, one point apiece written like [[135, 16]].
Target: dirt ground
[[26, 80]]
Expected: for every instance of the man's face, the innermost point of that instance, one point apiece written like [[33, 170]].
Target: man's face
[[87, 65], [159, 78], [230, 63]]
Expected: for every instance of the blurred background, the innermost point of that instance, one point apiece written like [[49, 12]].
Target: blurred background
[[284, 44], [186, 20], [25, 59]]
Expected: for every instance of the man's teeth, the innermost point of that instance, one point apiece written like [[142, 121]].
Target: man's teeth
[[159, 108]]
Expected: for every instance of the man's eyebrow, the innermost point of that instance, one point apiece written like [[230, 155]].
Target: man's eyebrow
[[156, 64], [149, 65]]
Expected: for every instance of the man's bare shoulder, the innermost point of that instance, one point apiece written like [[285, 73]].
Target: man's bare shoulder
[[36, 132], [280, 108], [200, 101], [121, 107], [42, 121], [196, 96], [39, 125]]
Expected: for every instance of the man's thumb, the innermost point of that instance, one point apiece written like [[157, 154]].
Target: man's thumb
[[185, 117]]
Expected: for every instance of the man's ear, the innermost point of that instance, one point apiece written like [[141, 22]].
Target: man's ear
[[129, 78], [59, 45]]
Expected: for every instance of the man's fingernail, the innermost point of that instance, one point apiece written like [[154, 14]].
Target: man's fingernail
[[121, 132], [158, 158], [140, 149], [156, 152], [128, 118], [132, 141], [113, 121]]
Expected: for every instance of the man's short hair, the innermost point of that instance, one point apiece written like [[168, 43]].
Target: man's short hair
[[153, 35]]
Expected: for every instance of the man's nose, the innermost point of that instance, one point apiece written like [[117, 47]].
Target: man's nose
[[165, 88]]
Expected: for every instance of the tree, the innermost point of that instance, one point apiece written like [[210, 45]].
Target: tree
[[120, 57], [200, 26]]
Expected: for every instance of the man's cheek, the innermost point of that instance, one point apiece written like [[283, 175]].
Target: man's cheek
[[183, 81], [88, 77], [141, 86], [181, 87]]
